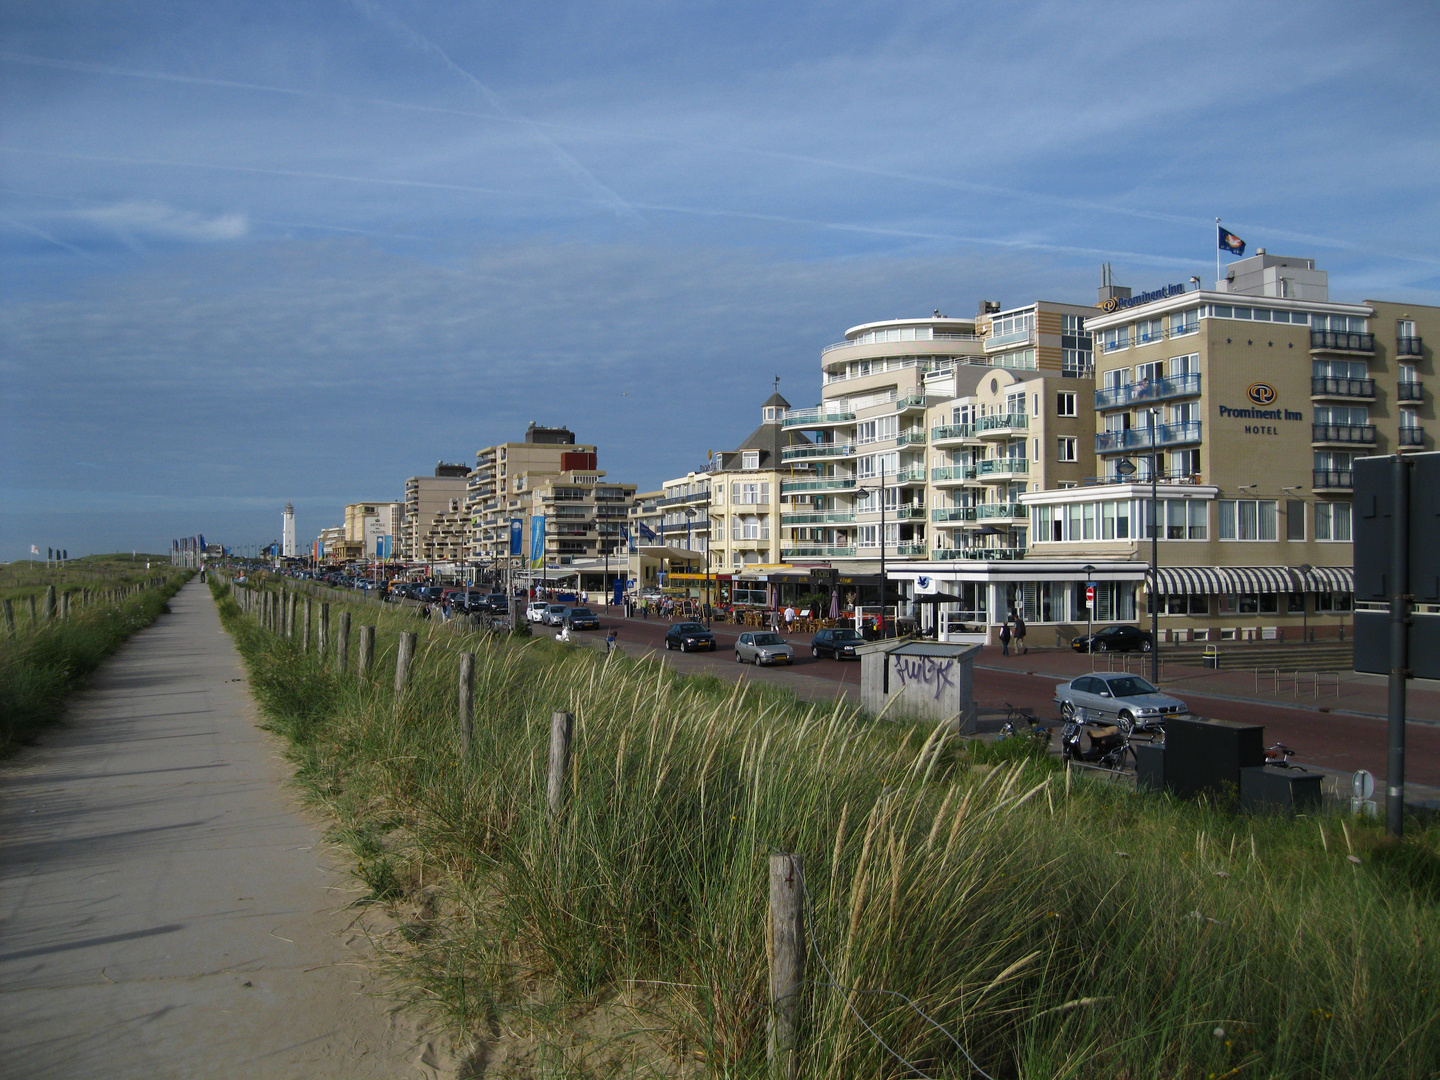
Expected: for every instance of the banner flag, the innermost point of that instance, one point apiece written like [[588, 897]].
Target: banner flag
[[517, 536], [537, 540], [1230, 242]]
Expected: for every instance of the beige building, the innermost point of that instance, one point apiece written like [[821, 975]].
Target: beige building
[[426, 496], [1247, 405], [370, 524], [502, 485]]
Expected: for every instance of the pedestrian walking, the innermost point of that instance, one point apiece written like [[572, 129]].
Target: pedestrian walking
[[789, 617], [1020, 635], [1005, 638], [610, 642]]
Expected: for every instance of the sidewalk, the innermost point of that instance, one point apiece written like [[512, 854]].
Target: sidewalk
[[166, 910]]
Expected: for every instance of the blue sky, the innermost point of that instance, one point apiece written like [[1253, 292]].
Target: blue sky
[[259, 252]]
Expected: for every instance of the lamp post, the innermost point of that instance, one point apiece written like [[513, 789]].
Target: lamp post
[[1089, 610], [1305, 569], [1154, 546], [709, 536]]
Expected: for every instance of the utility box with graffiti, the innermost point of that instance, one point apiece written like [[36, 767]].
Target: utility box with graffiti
[[920, 680]]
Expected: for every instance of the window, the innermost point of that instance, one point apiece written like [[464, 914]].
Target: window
[[1148, 330], [1015, 404], [1409, 419], [750, 459], [1407, 374], [1332, 521], [1340, 369], [750, 493], [1250, 603], [1184, 462], [1115, 338], [1294, 519], [750, 527], [1247, 519], [1184, 322], [1189, 364], [1065, 449], [1404, 328], [1181, 604], [1065, 401], [1035, 451], [1342, 415], [884, 427]]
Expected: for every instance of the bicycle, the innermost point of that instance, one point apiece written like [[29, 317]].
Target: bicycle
[[1032, 729], [1279, 755]]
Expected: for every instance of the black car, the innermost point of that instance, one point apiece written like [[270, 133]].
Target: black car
[[686, 636], [1117, 638], [839, 642], [580, 618]]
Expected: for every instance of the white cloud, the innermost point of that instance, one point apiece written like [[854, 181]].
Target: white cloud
[[156, 221]]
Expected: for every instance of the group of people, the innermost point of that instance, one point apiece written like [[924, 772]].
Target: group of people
[[1013, 631]]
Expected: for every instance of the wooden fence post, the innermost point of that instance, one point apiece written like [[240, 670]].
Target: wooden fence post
[[10, 618], [562, 731], [342, 644], [402, 661], [323, 642], [64, 605], [467, 700], [49, 602], [785, 950], [367, 649], [309, 620], [33, 617]]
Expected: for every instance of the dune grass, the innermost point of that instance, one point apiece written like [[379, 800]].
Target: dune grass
[[44, 661], [1036, 924]]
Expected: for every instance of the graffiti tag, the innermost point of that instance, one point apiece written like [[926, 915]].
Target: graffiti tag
[[926, 671]]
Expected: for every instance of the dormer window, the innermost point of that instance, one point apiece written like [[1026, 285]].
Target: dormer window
[[750, 459]]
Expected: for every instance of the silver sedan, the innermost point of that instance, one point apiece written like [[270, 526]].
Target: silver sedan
[[763, 647], [1131, 700]]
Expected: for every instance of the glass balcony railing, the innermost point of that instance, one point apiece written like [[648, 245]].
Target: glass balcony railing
[[786, 554], [1341, 341], [909, 549], [950, 432], [942, 473], [819, 450], [953, 513], [1172, 386], [815, 417], [1144, 438], [1342, 433], [832, 483], [1331, 479], [908, 512], [979, 553], [910, 476], [911, 438], [1003, 466], [1002, 422], [829, 517], [990, 511], [910, 401], [1326, 386]]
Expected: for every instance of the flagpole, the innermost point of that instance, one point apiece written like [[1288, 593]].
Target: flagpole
[[1217, 253]]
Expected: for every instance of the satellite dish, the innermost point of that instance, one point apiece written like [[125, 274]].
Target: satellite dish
[[1362, 785]]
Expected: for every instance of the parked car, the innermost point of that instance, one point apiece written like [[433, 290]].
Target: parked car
[[763, 647], [838, 641], [686, 636], [1118, 638], [536, 611], [554, 614], [497, 602], [1131, 700], [580, 618]]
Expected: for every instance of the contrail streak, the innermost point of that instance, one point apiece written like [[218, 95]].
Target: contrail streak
[[540, 126], [567, 161], [23, 227]]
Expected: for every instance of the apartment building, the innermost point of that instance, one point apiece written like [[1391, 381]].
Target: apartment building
[[581, 516], [445, 536], [1236, 413], [374, 527], [500, 488], [426, 496]]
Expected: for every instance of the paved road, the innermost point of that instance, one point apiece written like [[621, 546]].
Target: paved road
[[166, 910], [1339, 740]]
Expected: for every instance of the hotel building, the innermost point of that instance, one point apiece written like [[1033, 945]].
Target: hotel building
[[501, 485]]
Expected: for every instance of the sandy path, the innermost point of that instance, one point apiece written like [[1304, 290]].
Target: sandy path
[[166, 908]]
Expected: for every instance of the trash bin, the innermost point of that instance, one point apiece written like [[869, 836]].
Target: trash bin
[[1211, 658]]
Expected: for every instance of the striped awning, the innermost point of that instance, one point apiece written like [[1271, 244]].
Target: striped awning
[[1259, 579], [1217, 580], [1333, 578], [1190, 581]]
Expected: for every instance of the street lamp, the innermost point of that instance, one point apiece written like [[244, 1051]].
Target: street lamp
[[880, 491], [1154, 546]]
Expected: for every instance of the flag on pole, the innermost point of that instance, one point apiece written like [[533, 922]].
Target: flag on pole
[[65, 555], [34, 550], [1230, 242], [49, 553]]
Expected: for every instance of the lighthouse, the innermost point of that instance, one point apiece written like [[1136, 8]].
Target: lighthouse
[[287, 544]]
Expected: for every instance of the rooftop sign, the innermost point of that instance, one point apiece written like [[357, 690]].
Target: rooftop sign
[[1116, 303]]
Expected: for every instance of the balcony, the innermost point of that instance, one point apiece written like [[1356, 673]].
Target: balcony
[[1411, 391], [836, 517], [1172, 386], [1332, 480], [910, 401], [819, 450], [1145, 438], [1349, 434], [786, 554], [952, 474], [833, 483], [994, 511], [1412, 436], [1001, 425], [950, 433], [1326, 386], [1005, 341], [1003, 467], [911, 438], [1340, 341], [909, 512], [983, 554], [910, 549], [809, 418], [1114, 346], [676, 500], [953, 513], [1409, 346], [914, 475]]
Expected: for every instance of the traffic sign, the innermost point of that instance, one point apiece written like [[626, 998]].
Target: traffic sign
[[1089, 595]]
